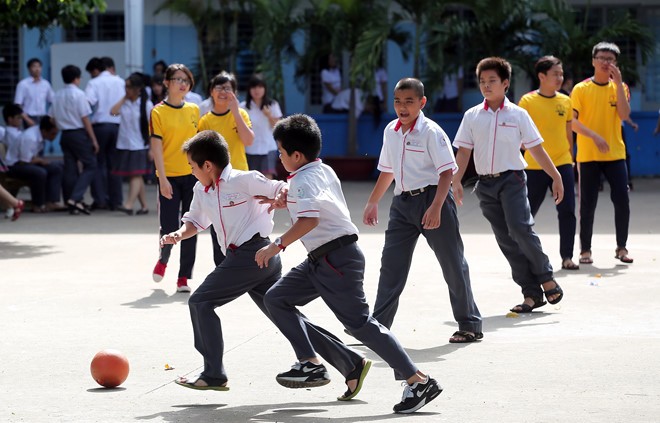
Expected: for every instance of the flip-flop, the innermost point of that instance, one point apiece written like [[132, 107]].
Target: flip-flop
[[526, 308], [467, 337], [360, 373], [212, 383], [569, 265], [585, 257], [556, 290], [621, 253]]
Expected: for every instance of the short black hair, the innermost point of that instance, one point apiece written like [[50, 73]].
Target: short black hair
[[221, 78], [46, 123], [32, 61], [94, 64], [208, 146], [300, 133], [70, 73], [107, 62], [410, 84], [11, 110], [545, 63], [498, 64], [160, 63], [605, 46]]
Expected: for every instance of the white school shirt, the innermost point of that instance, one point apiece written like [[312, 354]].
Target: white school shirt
[[418, 157], [193, 97], [103, 92], [450, 84], [69, 106], [231, 207], [13, 142], [315, 191], [130, 136], [34, 95], [30, 144], [263, 132], [380, 77], [205, 106], [332, 77], [496, 136]]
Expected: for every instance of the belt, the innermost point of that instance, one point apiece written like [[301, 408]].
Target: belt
[[73, 130], [254, 238], [494, 175], [333, 245], [418, 191]]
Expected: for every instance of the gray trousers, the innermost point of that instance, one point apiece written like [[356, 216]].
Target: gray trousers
[[504, 203], [338, 279], [403, 231], [239, 274]]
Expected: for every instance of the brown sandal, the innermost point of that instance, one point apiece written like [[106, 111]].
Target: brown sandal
[[621, 253], [585, 257]]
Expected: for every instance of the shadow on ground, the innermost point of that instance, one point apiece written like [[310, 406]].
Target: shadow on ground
[[16, 250], [157, 298]]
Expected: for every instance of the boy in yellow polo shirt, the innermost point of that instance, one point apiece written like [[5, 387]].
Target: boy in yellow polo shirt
[[600, 103], [233, 123], [552, 113]]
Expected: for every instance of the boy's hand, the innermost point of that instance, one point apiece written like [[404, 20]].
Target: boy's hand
[[458, 192], [601, 144], [431, 218], [615, 74], [265, 254], [557, 190], [279, 202], [171, 238], [370, 215]]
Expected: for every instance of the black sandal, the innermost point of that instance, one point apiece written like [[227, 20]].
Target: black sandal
[[212, 384], [556, 290], [467, 337], [359, 373], [621, 253], [526, 308]]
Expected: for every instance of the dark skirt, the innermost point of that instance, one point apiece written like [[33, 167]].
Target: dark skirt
[[130, 163]]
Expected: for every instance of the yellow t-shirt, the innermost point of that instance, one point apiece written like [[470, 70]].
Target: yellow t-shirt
[[596, 107], [225, 125], [174, 125], [550, 115]]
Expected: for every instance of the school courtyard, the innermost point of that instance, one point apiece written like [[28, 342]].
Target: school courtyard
[[74, 285]]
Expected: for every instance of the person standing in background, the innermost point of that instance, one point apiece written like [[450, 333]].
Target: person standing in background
[[34, 94]]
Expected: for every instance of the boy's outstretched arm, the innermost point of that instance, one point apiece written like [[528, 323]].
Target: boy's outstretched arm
[[370, 215], [431, 218], [462, 160], [186, 231], [302, 226], [580, 128], [539, 154]]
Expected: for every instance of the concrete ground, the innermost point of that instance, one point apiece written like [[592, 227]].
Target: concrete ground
[[74, 285]]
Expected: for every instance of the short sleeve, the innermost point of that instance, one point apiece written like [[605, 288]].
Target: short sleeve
[[90, 92], [275, 110], [568, 104], [576, 98], [246, 117], [463, 136], [258, 184], [529, 133], [441, 153], [308, 204], [384, 161], [195, 214], [203, 123], [84, 109], [155, 127], [20, 94]]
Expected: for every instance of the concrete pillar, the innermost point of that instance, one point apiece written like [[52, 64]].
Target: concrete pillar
[[134, 35]]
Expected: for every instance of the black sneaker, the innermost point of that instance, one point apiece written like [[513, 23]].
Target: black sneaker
[[304, 375], [417, 395]]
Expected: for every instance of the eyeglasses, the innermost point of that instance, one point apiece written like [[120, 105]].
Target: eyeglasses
[[602, 59], [220, 88], [182, 81]]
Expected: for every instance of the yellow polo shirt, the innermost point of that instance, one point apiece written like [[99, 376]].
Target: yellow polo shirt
[[596, 107], [225, 125], [550, 115], [174, 125]]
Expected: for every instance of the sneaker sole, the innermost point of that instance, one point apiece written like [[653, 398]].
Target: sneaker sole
[[184, 289], [296, 384], [363, 375], [156, 277], [430, 398]]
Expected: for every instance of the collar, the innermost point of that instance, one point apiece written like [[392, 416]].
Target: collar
[[221, 114], [546, 96], [224, 175], [35, 80], [505, 103], [173, 106], [418, 123], [105, 73], [599, 84], [309, 165]]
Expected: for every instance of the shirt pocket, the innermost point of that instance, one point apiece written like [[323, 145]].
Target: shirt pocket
[[509, 132], [414, 147], [233, 201]]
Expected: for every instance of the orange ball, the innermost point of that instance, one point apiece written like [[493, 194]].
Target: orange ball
[[109, 368]]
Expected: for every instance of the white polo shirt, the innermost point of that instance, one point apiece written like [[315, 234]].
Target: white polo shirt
[[315, 191], [103, 92], [30, 144], [332, 77], [418, 157], [33, 96], [69, 106], [130, 136], [263, 132], [231, 207], [496, 137], [13, 142]]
